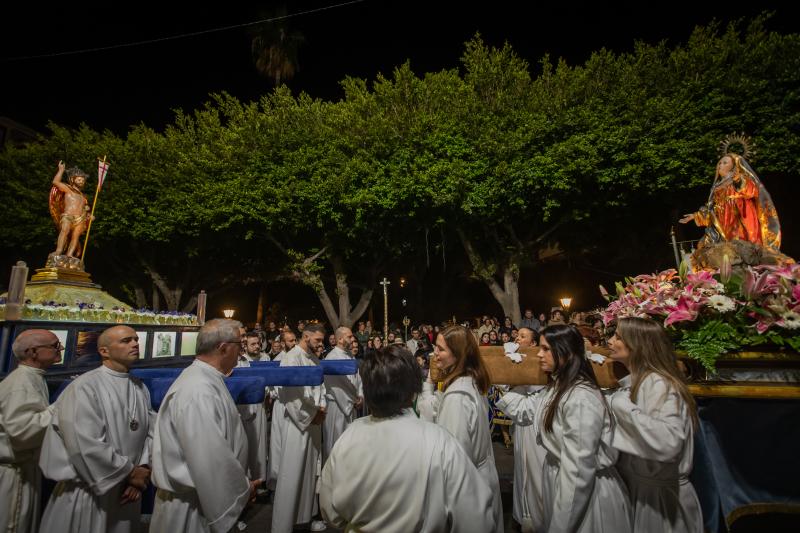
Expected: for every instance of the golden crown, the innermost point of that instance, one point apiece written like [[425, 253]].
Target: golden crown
[[745, 145]]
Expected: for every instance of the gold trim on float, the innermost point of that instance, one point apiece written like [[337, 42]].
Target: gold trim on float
[[61, 274], [761, 508], [764, 391]]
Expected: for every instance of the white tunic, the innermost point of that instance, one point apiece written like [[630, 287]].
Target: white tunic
[[464, 412], [520, 404], [341, 392], [200, 455], [25, 414], [90, 448], [403, 474], [582, 490], [256, 426], [655, 436], [300, 459], [277, 432]]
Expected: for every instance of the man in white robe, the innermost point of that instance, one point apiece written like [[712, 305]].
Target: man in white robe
[[98, 445], [200, 447], [277, 428], [25, 414], [299, 464], [392, 472], [344, 394], [254, 417]]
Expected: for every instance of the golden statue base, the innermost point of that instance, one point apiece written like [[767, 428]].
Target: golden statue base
[[68, 276]]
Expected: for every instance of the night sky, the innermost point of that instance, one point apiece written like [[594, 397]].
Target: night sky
[[117, 88], [114, 89]]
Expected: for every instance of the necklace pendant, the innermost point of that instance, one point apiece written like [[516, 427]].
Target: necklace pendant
[[134, 425]]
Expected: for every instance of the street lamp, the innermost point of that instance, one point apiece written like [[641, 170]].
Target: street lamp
[[228, 313], [565, 303]]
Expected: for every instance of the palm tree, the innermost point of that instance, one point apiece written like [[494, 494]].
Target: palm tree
[[274, 47]]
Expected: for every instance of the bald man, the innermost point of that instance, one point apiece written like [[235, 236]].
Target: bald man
[[25, 413], [97, 446], [345, 394], [200, 445], [529, 456]]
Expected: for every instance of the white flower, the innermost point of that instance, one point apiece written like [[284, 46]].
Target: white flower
[[516, 357], [791, 320], [721, 303], [671, 302], [596, 357]]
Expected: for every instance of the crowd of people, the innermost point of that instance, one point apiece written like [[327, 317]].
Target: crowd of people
[[395, 447]]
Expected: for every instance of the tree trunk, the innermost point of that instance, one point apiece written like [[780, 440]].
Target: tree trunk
[[141, 299], [172, 297], [260, 306], [346, 315], [507, 295], [191, 305], [156, 299]]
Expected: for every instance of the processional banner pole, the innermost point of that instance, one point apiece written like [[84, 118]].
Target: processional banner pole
[[385, 284], [102, 170]]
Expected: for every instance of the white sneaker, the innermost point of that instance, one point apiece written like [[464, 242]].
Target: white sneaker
[[318, 525]]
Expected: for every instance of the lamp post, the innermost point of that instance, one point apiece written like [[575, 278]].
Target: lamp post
[[228, 313], [565, 303], [385, 284]]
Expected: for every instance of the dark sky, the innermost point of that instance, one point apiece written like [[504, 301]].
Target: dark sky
[[116, 88]]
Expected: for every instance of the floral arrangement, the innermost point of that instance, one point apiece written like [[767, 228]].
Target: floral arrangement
[[711, 313], [93, 312]]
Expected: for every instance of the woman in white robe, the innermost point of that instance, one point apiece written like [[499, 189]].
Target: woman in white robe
[[462, 408], [656, 418], [519, 404], [582, 491], [393, 473]]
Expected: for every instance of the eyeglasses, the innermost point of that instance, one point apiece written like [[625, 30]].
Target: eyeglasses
[[55, 346]]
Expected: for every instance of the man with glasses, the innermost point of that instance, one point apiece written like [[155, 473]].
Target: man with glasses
[[200, 446], [25, 414], [97, 445]]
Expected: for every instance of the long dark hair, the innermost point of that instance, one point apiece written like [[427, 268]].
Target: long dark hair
[[462, 343], [570, 365]]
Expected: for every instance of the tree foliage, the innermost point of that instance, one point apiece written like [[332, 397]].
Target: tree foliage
[[510, 160]]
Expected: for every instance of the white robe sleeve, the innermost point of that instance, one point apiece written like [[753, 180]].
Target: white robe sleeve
[[147, 449], [428, 402], [224, 489], [458, 416], [582, 428], [326, 488], [657, 433], [84, 432], [25, 416], [520, 405], [343, 392], [468, 500]]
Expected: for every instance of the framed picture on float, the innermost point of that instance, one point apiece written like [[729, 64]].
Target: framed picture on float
[[164, 343], [189, 343], [142, 343]]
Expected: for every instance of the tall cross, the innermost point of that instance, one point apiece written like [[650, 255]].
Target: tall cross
[[385, 284]]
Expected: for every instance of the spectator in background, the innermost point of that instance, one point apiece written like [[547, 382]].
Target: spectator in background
[[486, 327], [504, 338], [542, 320], [557, 317], [414, 342], [515, 334], [507, 326], [361, 334], [485, 340], [530, 322], [493, 338]]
